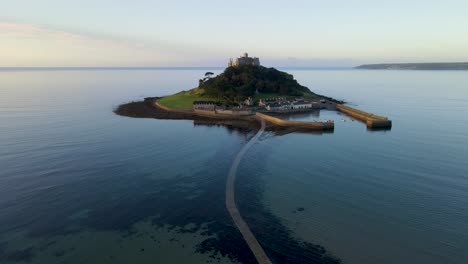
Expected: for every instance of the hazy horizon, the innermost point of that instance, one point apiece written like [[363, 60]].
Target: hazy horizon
[[186, 34], [136, 67]]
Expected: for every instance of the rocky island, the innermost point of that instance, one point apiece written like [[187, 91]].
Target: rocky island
[[246, 91]]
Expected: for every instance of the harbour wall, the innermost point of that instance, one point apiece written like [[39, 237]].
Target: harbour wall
[[223, 113], [233, 112], [247, 115], [241, 115], [297, 124], [371, 120]]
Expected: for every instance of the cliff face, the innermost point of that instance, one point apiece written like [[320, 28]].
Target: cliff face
[[246, 80], [416, 66]]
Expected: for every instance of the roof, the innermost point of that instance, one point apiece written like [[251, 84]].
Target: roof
[[205, 102], [301, 103], [278, 105]]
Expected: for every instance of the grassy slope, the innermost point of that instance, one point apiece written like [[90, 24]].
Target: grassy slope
[[183, 100]]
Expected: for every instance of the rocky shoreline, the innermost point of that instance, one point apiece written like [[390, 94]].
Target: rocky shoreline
[[149, 109]]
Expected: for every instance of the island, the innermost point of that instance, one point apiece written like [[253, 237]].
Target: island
[[416, 66], [248, 92]]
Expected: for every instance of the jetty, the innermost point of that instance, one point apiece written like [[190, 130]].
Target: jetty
[[251, 116], [371, 120], [151, 108], [309, 125]]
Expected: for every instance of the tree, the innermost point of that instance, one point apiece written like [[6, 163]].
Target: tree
[[236, 83]]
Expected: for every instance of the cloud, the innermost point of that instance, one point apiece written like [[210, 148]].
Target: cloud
[[26, 45], [34, 45], [29, 31]]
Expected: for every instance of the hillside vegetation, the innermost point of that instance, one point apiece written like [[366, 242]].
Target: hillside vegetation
[[237, 83]]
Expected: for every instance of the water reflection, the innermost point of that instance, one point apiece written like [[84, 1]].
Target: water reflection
[[299, 115], [245, 127], [379, 129]]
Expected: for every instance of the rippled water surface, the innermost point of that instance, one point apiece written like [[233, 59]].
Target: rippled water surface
[[79, 184]]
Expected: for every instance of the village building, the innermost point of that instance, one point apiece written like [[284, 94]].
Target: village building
[[316, 105], [301, 105], [283, 104], [248, 101], [274, 107], [204, 105], [278, 106], [262, 103], [244, 60]]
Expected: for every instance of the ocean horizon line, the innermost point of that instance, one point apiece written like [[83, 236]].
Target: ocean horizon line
[[69, 68]]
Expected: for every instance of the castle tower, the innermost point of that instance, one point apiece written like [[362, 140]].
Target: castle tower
[[244, 60], [256, 61]]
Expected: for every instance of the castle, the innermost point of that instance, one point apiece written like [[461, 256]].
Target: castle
[[244, 60]]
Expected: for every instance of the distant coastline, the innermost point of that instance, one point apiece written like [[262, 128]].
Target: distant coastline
[[416, 66]]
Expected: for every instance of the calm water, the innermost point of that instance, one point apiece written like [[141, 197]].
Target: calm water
[[79, 184]]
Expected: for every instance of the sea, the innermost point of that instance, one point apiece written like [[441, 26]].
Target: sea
[[80, 184]]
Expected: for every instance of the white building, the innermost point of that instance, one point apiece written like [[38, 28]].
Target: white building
[[301, 105], [248, 101], [204, 105]]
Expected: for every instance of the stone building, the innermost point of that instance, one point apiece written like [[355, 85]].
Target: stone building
[[248, 101], [301, 105], [244, 60], [204, 105]]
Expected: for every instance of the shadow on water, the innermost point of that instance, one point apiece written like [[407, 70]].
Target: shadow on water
[[231, 125], [378, 129], [245, 126], [280, 131], [315, 113]]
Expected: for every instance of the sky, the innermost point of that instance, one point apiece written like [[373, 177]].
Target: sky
[[122, 33]]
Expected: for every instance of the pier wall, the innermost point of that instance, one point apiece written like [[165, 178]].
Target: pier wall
[[371, 120], [240, 115], [205, 112], [234, 112], [247, 115], [297, 124]]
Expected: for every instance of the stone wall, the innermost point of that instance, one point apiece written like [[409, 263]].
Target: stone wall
[[205, 112], [297, 124], [371, 120], [234, 112]]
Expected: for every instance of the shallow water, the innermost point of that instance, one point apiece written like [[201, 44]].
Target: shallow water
[[79, 183]]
